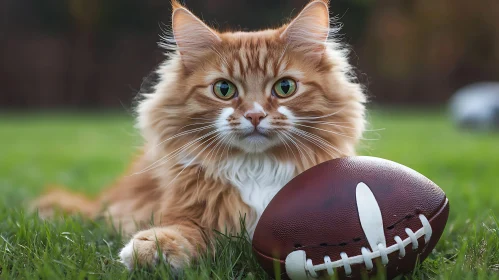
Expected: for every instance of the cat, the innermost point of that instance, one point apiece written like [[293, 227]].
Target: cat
[[232, 119]]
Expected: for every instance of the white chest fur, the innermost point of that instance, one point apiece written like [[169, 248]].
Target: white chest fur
[[258, 177]]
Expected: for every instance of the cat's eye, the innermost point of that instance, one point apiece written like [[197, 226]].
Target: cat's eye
[[224, 89], [284, 87]]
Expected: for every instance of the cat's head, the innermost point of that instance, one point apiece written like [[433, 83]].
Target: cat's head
[[287, 91]]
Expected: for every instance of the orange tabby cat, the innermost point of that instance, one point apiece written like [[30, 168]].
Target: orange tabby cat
[[233, 118]]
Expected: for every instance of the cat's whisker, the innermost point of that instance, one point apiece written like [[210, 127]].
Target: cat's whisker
[[210, 155], [284, 141], [213, 139], [338, 124], [326, 123], [228, 146], [174, 153], [331, 150], [307, 156], [318, 141], [218, 135], [302, 155], [318, 145], [182, 134], [223, 141], [189, 144], [335, 132], [215, 148], [204, 119], [305, 148], [210, 140], [224, 145], [278, 134], [192, 124], [315, 137], [325, 130], [319, 117]]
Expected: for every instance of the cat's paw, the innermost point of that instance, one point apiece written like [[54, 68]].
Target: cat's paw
[[142, 250]]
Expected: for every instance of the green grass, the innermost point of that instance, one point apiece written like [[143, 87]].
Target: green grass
[[87, 152]]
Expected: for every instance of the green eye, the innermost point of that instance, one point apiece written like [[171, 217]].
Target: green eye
[[284, 87], [224, 89]]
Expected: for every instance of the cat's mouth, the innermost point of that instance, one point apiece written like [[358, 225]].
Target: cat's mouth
[[256, 140], [256, 133]]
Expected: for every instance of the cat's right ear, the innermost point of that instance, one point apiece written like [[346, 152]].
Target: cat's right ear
[[308, 32], [193, 37]]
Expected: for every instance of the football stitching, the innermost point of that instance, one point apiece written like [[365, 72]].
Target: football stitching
[[407, 217], [355, 240]]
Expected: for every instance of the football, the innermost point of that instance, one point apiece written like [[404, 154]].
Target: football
[[351, 218]]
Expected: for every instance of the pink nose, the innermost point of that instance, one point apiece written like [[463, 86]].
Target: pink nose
[[255, 118]]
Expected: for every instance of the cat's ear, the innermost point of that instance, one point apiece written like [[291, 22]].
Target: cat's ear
[[309, 31], [192, 36]]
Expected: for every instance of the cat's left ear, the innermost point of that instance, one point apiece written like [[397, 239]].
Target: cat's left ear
[[193, 37], [309, 31]]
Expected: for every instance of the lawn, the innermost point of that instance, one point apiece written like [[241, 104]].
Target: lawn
[[87, 151]]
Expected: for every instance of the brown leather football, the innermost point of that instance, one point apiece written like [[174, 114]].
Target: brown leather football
[[351, 218]]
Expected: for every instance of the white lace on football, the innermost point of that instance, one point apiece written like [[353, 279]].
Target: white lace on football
[[367, 256], [299, 267]]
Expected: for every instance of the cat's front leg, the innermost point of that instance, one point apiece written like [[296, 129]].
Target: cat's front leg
[[178, 245]]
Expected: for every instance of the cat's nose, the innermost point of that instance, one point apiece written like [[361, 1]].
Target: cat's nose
[[255, 117]]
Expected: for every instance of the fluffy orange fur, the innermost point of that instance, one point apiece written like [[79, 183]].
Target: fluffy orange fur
[[204, 165]]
